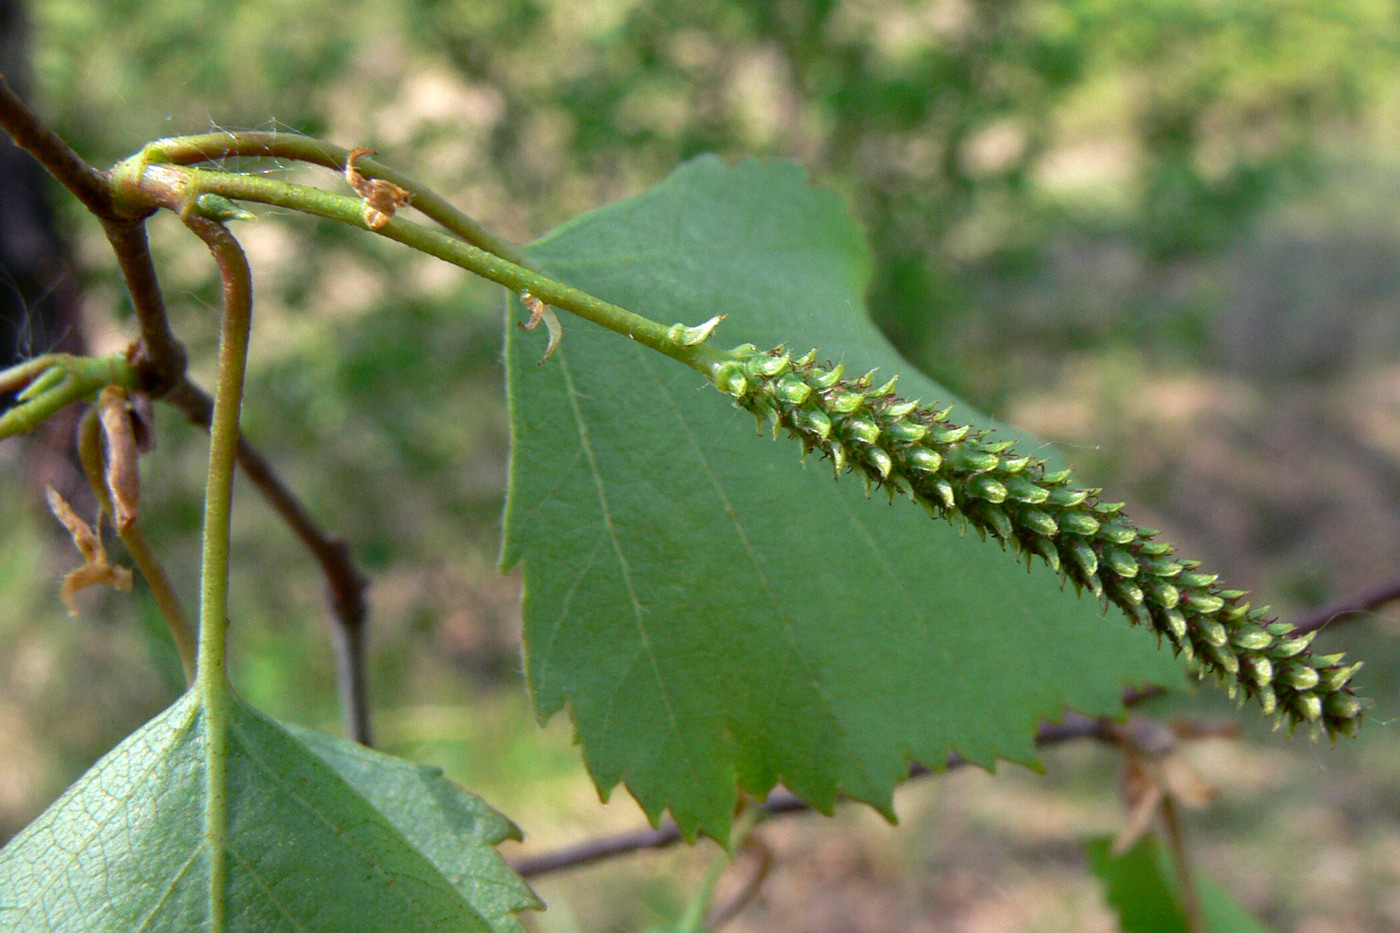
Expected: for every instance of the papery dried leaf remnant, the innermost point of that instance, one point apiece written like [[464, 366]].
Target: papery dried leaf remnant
[[123, 475], [381, 197], [95, 569], [539, 311]]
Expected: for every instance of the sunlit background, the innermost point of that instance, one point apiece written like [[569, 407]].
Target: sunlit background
[[1163, 233]]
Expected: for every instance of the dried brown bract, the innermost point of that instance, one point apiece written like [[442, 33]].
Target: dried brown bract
[[119, 427], [95, 569], [539, 311], [381, 197]]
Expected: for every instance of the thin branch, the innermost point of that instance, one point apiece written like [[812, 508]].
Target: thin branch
[[160, 358], [781, 801], [1357, 604], [29, 133], [752, 885], [345, 585]]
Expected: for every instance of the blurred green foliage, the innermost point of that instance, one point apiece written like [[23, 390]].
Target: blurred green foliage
[[970, 135]]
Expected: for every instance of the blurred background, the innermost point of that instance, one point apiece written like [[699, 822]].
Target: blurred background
[[1163, 233]]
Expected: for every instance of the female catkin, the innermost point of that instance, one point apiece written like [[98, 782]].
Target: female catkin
[[970, 479]]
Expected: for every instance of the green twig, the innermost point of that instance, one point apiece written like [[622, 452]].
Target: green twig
[[56, 381], [177, 187], [218, 500], [693, 920], [210, 147]]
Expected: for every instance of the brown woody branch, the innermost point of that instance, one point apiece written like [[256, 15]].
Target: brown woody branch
[[23, 125], [159, 357], [781, 801], [160, 360]]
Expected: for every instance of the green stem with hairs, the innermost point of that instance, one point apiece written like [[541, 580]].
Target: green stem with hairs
[[212, 668], [209, 147], [141, 184]]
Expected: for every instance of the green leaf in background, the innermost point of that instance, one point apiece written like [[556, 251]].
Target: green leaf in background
[[1141, 887], [713, 612], [124, 849]]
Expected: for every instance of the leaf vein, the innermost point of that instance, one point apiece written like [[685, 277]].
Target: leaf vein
[[622, 561]]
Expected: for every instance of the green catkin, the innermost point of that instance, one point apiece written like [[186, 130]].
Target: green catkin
[[964, 476]]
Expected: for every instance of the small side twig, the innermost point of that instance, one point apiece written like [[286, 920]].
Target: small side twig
[[730, 909], [345, 585], [1354, 605]]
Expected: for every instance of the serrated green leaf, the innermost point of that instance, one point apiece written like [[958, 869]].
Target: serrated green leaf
[[454, 828], [1141, 887], [124, 848], [714, 613]]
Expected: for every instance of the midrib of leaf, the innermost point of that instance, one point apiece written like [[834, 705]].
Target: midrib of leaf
[[770, 597], [214, 699], [880, 557], [623, 565]]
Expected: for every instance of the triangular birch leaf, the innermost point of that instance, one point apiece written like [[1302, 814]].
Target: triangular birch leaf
[[714, 614]]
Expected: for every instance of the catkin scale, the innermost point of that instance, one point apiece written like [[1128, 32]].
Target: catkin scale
[[962, 475]]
